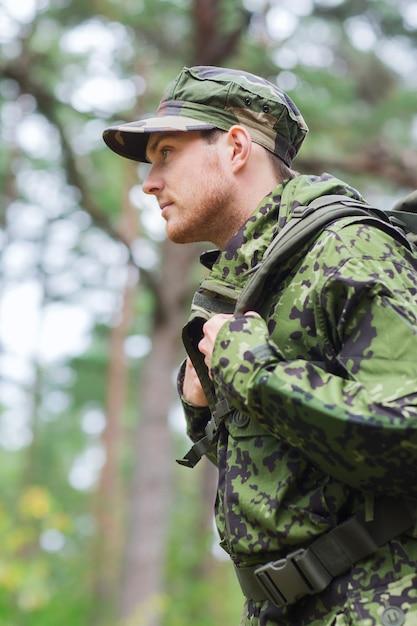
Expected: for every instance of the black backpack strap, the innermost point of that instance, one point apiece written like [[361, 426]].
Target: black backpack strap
[[219, 407]]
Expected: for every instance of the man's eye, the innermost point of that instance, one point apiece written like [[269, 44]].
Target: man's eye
[[165, 152]]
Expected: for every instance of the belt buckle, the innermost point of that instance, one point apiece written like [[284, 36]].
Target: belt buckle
[[286, 580]]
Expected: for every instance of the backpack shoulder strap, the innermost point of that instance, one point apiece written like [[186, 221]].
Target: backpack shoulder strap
[[305, 223]]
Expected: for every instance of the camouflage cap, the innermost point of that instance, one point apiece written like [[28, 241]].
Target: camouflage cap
[[206, 97]]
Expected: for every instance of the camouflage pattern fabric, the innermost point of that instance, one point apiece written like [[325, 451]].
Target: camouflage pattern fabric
[[205, 97], [324, 392]]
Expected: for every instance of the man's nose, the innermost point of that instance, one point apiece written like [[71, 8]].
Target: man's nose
[[152, 183]]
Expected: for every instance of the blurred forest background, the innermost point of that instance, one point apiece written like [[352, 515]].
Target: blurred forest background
[[98, 526]]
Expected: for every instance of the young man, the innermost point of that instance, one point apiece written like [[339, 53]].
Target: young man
[[308, 405]]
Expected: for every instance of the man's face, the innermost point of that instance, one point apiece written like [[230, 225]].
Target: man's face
[[189, 179]]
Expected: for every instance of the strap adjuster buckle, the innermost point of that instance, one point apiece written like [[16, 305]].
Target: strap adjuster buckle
[[299, 574]]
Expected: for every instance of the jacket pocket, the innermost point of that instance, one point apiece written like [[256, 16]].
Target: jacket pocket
[[393, 604]]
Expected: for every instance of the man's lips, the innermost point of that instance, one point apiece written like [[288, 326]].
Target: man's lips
[[164, 207]]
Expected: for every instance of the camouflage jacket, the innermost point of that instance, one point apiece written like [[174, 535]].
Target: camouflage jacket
[[323, 387]]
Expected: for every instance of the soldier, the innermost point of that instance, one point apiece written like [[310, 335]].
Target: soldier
[[306, 402]]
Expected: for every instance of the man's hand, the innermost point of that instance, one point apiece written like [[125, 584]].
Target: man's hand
[[210, 330], [191, 388]]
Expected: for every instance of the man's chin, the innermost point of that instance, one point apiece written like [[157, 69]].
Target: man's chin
[[177, 235]]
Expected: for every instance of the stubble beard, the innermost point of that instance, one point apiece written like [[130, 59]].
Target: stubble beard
[[208, 217]]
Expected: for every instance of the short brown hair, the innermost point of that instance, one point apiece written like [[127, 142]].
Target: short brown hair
[[281, 170]]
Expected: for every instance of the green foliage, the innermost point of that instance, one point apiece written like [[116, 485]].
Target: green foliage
[[30, 581]]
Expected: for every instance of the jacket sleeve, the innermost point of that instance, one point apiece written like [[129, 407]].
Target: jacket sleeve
[[196, 417], [359, 425]]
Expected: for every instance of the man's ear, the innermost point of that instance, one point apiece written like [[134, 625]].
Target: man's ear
[[240, 145]]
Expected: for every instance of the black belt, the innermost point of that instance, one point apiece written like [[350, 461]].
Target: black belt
[[309, 571]]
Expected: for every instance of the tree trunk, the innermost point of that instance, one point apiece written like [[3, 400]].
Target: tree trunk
[[151, 496], [109, 500]]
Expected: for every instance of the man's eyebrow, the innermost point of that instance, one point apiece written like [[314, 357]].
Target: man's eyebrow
[[152, 145], [154, 141]]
